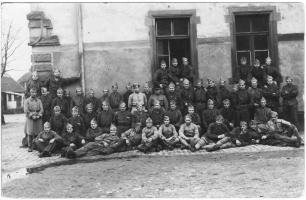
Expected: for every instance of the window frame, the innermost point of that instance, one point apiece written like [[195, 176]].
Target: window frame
[[172, 14], [272, 41]]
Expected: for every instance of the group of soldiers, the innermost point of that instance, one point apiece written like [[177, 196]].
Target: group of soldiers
[[180, 113]]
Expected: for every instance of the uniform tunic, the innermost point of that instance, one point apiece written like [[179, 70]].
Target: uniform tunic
[[105, 119], [242, 106], [96, 103], [33, 107], [228, 115], [137, 98], [260, 74], [47, 105], [200, 99], [70, 105], [161, 98], [289, 94], [212, 93], [223, 93], [63, 104], [187, 72], [161, 76], [176, 117], [262, 115], [46, 145], [132, 136], [169, 132], [87, 117], [123, 121], [195, 118], [272, 71], [243, 73], [58, 123], [79, 101], [126, 96], [114, 100], [245, 137], [272, 93], [74, 137], [209, 116], [214, 130], [139, 116], [255, 97], [187, 97], [91, 134], [174, 73], [174, 96], [157, 116], [78, 124]]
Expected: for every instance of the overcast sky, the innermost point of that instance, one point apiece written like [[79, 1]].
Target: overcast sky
[[16, 13]]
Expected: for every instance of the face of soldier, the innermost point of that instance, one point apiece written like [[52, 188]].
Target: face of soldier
[[268, 61], [79, 91], [157, 91], [105, 106], [211, 83], [114, 88], [263, 102], [122, 107], [163, 65], [274, 117], [172, 106], [93, 125], [185, 62], [226, 104], [57, 112], [187, 120], [91, 93], [186, 85], [59, 93], [146, 88], [243, 127], [33, 93], [243, 62], [89, 109], [105, 92], [171, 88], [270, 80], [113, 130], [242, 85], [210, 105], [74, 113], [47, 128], [57, 73], [289, 81], [149, 124], [254, 83], [136, 89], [139, 107], [44, 91], [174, 62], [157, 106], [166, 121], [190, 110], [69, 129], [219, 121]]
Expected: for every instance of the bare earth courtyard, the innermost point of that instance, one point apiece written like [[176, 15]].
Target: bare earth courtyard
[[254, 171]]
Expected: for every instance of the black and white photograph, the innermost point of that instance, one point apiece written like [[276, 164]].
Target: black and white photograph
[[152, 99]]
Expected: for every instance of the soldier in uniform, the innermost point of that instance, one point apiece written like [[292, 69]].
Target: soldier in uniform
[[47, 141], [187, 96], [289, 93], [174, 115], [93, 131], [262, 114], [168, 135], [228, 114], [46, 101], [79, 100], [105, 117], [174, 71], [122, 119], [139, 116], [243, 70], [147, 91], [242, 104], [212, 91], [259, 73], [157, 96], [173, 95], [149, 137], [132, 136], [157, 113], [189, 134], [271, 70], [69, 101], [161, 76], [271, 93], [209, 115], [77, 121], [105, 95], [58, 120], [255, 94], [115, 98], [95, 102], [61, 102], [136, 97], [34, 110], [35, 83], [127, 93], [55, 81], [187, 70], [223, 93], [195, 118], [88, 115], [199, 97]]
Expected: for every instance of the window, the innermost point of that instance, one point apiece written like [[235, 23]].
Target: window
[[252, 37], [172, 39], [9, 97]]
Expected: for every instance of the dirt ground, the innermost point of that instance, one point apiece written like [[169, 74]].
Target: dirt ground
[[259, 174]]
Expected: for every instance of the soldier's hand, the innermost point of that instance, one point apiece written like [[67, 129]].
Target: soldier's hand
[[83, 141], [51, 141], [72, 145], [231, 124], [41, 140], [238, 142], [264, 137], [161, 85], [256, 141]]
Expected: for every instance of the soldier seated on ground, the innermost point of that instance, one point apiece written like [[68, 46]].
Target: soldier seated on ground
[[215, 132], [47, 141], [239, 136], [168, 135], [278, 132], [93, 131], [189, 134], [132, 137], [104, 144], [72, 140], [149, 137]]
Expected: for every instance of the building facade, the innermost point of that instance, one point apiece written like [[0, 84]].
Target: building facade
[[104, 43]]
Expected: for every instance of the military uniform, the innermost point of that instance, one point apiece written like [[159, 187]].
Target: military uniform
[[209, 116], [199, 99], [47, 105], [58, 123], [139, 116], [161, 76], [242, 106], [223, 93], [87, 117], [255, 96], [148, 139], [187, 72], [79, 101], [105, 119], [260, 74], [96, 103], [63, 104], [136, 99], [174, 96], [91, 133], [70, 105], [132, 138], [114, 100], [262, 115], [71, 138], [176, 117], [169, 133], [174, 73], [244, 73], [272, 93], [157, 116], [45, 145], [123, 121], [36, 84], [212, 93], [78, 124], [191, 132], [126, 96], [290, 104], [271, 70], [229, 116], [162, 100], [187, 97]]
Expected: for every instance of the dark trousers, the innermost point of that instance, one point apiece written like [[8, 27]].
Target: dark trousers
[[290, 114], [47, 147], [242, 114]]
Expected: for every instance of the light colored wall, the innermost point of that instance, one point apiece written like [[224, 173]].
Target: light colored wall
[[117, 40]]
